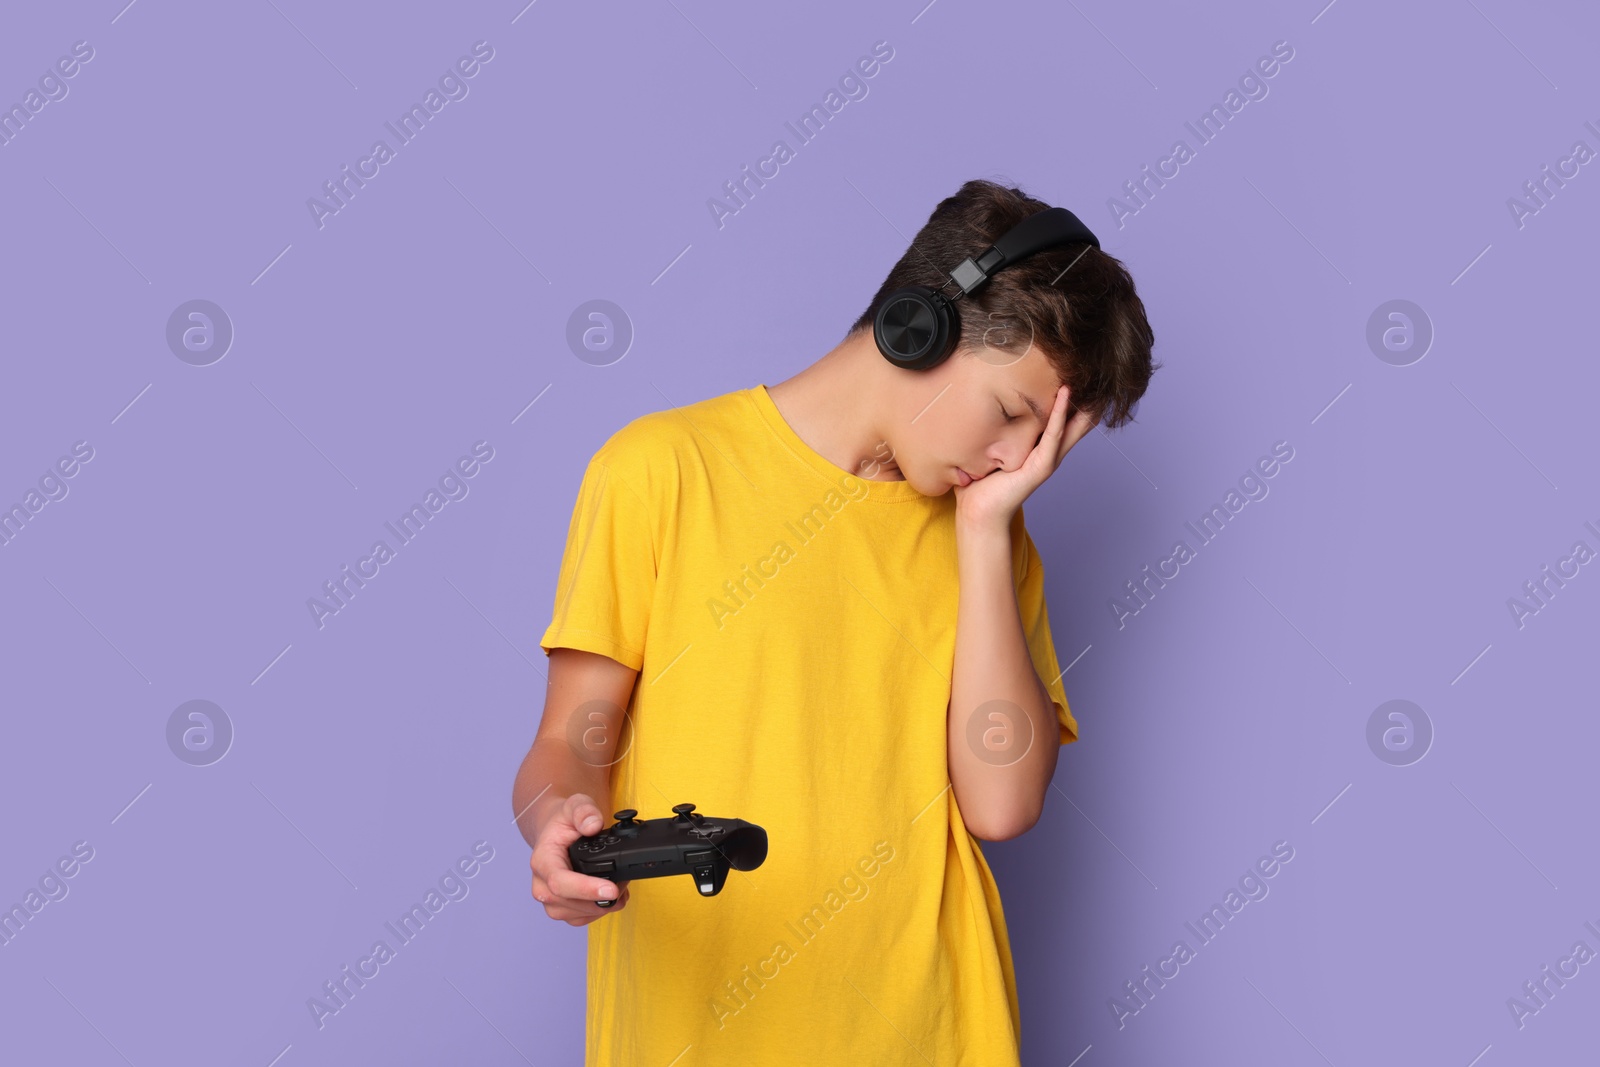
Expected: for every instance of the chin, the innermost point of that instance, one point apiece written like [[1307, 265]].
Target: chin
[[940, 488]]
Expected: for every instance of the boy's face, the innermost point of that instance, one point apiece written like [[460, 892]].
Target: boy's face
[[975, 417]]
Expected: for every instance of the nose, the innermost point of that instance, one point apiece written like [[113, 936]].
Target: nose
[[1009, 455]]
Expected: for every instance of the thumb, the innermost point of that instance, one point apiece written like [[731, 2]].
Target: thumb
[[585, 814]]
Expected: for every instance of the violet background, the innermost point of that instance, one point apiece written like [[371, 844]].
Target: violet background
[[432, 311]]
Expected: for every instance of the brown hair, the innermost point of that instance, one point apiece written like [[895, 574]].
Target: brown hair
[[1085, 313]]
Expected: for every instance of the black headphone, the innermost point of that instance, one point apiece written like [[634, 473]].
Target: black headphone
[[917, 327]]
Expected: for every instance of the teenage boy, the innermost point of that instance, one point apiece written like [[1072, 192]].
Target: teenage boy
[[816, 607]]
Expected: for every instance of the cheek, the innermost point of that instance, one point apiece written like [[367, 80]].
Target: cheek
[[966, 437], [935, 444], [945, 436], [910, 442]]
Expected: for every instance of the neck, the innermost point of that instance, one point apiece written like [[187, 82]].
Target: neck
[[834, 404]]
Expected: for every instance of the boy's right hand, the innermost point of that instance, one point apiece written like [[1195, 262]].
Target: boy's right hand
[[566, 894]]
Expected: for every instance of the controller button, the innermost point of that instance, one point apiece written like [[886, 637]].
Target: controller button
[[603, 867]]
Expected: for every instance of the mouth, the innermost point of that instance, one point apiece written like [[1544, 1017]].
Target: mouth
[[963, 479]]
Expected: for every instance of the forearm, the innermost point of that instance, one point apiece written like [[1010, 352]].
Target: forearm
[[1001, 764], [549, 774]]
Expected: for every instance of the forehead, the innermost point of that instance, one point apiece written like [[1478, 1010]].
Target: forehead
[[1033, 377], [1027, 380]]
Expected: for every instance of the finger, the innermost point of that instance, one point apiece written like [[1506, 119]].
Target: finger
[[1052, 428], [569, 822], [570, 916], [555, 906], [576, 915], [1057, 431], [547, 896], [541, 892], [581, 888], [581, 894], [614, 905], [1058, 411], [578, 817], [1053, 441], [548, 858], [555, 882], [584, 913]]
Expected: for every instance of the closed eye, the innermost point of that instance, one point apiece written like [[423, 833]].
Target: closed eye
[[1009, 417]]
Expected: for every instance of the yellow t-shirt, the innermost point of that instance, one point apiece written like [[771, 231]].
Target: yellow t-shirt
[[794, 630]]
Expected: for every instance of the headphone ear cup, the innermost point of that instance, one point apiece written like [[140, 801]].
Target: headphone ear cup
[[916, 327]]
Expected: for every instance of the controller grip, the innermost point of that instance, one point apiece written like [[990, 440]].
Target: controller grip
[[745, 848]]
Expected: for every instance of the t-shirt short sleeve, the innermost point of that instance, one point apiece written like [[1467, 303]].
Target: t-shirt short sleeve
[[608, 568], [1036, 626]]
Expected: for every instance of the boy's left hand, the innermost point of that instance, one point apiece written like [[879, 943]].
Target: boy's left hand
[[993, 499]]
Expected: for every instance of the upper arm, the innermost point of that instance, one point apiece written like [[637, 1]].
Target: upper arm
[[585, 702]]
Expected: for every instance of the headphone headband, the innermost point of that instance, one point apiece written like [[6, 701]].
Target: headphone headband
[[1041, 230]]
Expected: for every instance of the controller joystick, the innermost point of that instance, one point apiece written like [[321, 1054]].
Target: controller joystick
[[698, 845]]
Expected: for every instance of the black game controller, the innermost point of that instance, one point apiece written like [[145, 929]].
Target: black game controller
[[654, 848]]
